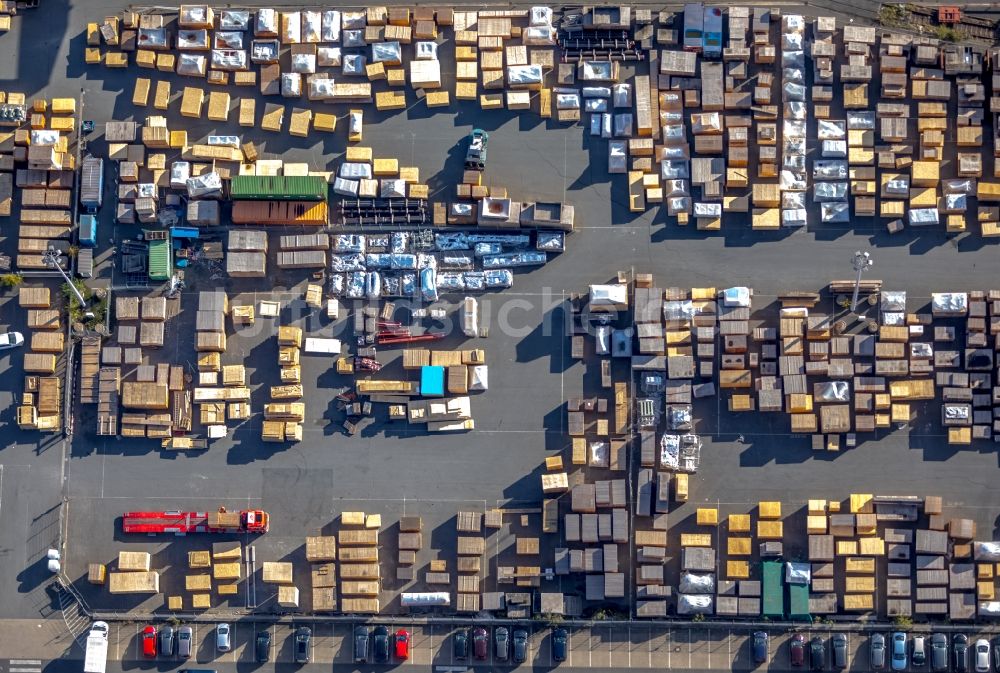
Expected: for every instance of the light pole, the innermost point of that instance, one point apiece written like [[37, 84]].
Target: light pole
[[862, 261], [51, 259]]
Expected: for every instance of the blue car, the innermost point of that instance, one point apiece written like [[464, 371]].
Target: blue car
[[898, 661]]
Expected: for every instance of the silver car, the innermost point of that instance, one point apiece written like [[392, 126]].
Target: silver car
[[184, 647], [223, 639]]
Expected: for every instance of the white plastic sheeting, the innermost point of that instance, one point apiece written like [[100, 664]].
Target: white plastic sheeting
[[949, 302], [327, 57], [986, 551], [291, 84], [194, 65], [892, 301], [387, 52], [835, 212], [291, 27], [330, 30], [479, 377], [694, 583], [797, 573], [267, 22], [229, 59], [829, 191], [524, 75], [736, 297], [923, 216], [696, 605], [312, 26]]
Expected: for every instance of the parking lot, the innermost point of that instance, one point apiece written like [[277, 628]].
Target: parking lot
[[600, 647]]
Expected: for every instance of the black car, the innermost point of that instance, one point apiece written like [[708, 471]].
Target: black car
[[262, 646], [817, 654], [995, 646], [501, 643], [361, 644], [759, 646], [520, 646], [839, 645], [380, 644], [166, 641], [460, 645], [960, 648], [560, 643], [303, 635], [939, 652]]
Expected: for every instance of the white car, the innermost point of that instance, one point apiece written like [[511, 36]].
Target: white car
[[982, 656], [11, 340], [223, 641]]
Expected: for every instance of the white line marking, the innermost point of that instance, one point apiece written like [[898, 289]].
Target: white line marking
[[20, 662]]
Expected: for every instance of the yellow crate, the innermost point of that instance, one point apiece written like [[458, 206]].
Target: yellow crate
[[871, 546], [739, 546], [861, 503], [385, 167], [816, 524], [859, 585], [769, 509], [847, 548], [201, 601], [227, 589], [696, 540], [92, 56], [175, 602], [708, 516], [324, 121], [738, 570], [770, 530], [858, 602], [984, 571], [985, 590], [817, 507], [739, 523], [352, 518], [390, 100], [859, 565]]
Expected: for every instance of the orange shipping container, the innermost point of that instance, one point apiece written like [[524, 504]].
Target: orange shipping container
[[280, 212]]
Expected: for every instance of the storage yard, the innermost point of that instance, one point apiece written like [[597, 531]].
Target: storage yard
[[525, 314]]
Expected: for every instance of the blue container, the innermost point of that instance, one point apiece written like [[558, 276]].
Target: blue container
[[432, 381], [88, 231]]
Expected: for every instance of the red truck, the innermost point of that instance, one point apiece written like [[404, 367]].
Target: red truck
[[182, 523]]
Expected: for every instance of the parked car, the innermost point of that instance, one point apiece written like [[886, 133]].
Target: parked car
[[960, 651], [380, 644], [939, 652], [360, 644], [520, 646], [223, 639], [11, 340], [817, 654], [838, 644], [460, 645], [402, 644], [184, 646], [797, 650], [480, 643], [560, 644], [303, 635], [919, 654], [166, 641], [996, 653], [759, 646], [149, 642], [501, 643], [262, 647], [898, 661], [982, 656], [876, 651]]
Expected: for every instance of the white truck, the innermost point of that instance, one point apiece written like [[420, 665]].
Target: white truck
[[96, 657]]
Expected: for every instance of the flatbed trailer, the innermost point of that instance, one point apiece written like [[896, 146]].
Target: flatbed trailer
[[182, 523]]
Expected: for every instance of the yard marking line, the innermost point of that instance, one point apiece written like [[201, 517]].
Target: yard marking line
[[670, 646], [729, 645], [104, 455], [24, 662], [689, 648], [628, 642]]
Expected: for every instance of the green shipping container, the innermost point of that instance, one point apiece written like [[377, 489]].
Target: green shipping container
[[159, 259], [773, 590], [798, 601], [278, 188]]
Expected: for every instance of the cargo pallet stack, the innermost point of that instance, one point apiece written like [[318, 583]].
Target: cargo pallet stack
[[280, 573], [246, 253], [471, 546], [379, 191], [41, 403], [217, 399], [283, 416], [360, 574], [321, 553], [39, 135], [133, 575], [409, 544]]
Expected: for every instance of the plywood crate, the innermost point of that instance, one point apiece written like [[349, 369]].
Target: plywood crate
[[133, 560], [321, 548], [359, 538], [199, 559], [201, 601], [739, 523], [227, 570], [134, 582], [230, 550], [97, 573], [198, 582], [770, 530], [359, 555], [192, 102], [360, 605], [359, 571], [227, 589], [277, 572]]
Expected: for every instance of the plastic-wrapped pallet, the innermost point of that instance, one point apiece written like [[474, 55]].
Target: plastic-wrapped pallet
[[229, 59], [267, 22], [291, 84], [330, 26], [234, 19], [312, 26], [329, 57]]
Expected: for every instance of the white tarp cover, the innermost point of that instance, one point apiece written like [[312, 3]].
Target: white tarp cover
[[829, 170], [392, 189], [193, 14], [986, 551], [796, 75], [863, 121], [621, 94], [617, 156], [792, 180], [609, 295], [387, 52], [793, 59], [796, 109], [540, 16], [958, 186], [793, 23], [304, 63], [793, 129], [418, 599], [194, 65], [537, 36], [829, 191], [835, 212], [835, 149], [623, 125], [153, 37], [919, 349], [673, 132], [794, 217], [703, 209], [353, 38], [696, 605], [956, 412], [706, 122], [426, 51], [893, 300], [797, 573], [291, 84], [328, 57], [354, 19], [678, 309], [355, 170], [228, 39], [955, 201], [831, 129], [793, 200], [606, 125], [675, 187], [479, 377], [234, 19], [264, 51], [899, 186], [267, 22], [600, 453], [596, 92], [524, 75], [346, 187], [596, 71], [320, 88], [949, 302], [989, 608], [207, 183], [567, 101], [894, 319], [923, 216], [736, 297], [596, 105], [44, 137], [312, 26], [353, 64], [832, 391], [229, 59], [192, 38], [694, 583], [331, 26], [180, 171]]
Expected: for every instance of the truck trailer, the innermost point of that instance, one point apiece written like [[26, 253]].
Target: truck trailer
[[182, 523], [95, 659]]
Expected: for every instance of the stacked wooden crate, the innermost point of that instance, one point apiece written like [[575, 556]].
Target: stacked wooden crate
[[409, 544], [470, 546], [321, 553], [41, 403], [360, 575]]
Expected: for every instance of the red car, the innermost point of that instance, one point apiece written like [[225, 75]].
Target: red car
[[402, 644], [149, 642], [797, 650]]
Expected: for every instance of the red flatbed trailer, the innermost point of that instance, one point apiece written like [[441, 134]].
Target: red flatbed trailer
[[182, 523]]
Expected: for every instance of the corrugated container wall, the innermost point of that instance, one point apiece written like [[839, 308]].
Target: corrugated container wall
[[278, 188]]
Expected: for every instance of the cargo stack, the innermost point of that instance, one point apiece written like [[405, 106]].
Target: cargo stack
[[379, 191], [41, 403], [409, 543], [321, 552], [133, 575], [246, 253], [471, 547], [360, 574], [283, 417]]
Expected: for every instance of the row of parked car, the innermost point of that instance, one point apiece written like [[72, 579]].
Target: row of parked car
[[374, 645], [901, 651], [163, 643]]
